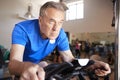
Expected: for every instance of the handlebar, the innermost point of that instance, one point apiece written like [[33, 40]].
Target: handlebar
[[66, 70]]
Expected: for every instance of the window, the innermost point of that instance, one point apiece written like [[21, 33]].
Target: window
[[75, 10]]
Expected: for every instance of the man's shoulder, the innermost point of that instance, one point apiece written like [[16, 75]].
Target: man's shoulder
[[28, 21], [28, 26], [62, 32]]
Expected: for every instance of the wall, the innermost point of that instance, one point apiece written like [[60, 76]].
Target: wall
[[97, 18], [108, 37]]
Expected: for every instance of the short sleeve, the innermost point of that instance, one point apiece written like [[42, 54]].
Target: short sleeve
[[19, 35]]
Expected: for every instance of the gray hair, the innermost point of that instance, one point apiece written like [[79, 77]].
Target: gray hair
[[51, 4]]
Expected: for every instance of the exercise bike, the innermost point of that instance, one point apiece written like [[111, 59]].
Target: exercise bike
[[68, 70]]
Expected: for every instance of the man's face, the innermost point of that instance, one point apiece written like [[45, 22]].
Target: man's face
[[51, 23]]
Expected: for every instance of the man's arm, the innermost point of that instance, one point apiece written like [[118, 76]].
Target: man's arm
[[67, 55], [26, 70], [16, 58]]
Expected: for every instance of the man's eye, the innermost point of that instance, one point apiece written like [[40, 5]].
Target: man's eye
[[51, 22], [60, 22]]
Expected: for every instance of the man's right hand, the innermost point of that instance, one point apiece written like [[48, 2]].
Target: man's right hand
[[32, 72]]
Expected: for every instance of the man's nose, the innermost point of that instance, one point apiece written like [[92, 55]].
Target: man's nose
[[56, 27]]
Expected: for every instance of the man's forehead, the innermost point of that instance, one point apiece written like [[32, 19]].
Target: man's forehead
[[51, 14]]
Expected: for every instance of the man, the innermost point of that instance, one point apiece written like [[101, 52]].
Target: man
[[33, 40]]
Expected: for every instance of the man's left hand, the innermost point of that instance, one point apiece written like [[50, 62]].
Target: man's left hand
[[101, 68]]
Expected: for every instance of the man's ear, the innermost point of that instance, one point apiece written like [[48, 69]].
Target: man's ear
[[39, 18]]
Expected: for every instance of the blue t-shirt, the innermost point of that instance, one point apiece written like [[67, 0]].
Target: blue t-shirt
[[27, 33]]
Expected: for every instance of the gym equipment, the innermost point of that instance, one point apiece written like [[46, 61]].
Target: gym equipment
[[67, 70]]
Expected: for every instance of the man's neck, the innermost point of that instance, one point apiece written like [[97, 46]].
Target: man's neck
[[43, 35]]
